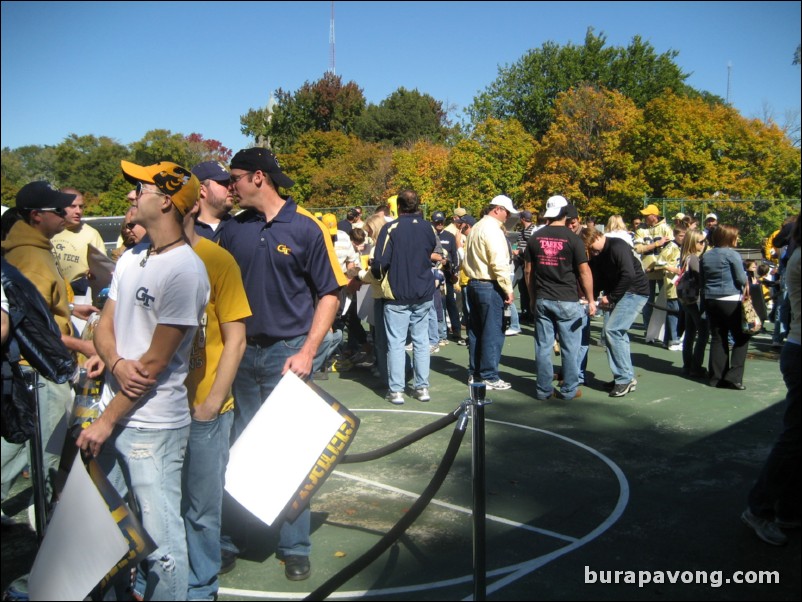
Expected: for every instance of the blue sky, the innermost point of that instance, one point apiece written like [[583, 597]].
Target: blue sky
[[120, 69]]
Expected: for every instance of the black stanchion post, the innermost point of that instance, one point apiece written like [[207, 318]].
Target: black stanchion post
[[478, 392], [38, 468]]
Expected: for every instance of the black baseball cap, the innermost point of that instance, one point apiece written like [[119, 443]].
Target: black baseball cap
[[261, 159], [42, 195]]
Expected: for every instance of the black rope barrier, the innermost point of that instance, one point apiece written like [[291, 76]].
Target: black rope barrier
[[322, 592], [422, 432]]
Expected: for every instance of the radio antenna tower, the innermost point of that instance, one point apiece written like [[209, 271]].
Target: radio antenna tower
[[729, 74], [332, 52]]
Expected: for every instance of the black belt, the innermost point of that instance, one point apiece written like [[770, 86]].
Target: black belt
[[479, 280]]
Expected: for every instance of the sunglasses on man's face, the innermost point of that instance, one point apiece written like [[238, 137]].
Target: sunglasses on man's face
[[60, 211], [140, 190]]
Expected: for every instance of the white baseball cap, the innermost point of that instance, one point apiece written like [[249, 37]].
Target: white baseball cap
[[554, 205], [711, 216], [504, 201]]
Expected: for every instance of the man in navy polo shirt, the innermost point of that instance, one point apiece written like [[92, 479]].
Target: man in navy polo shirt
[[292, 279]]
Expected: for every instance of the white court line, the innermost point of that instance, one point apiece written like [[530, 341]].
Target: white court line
[[464, 510], [510, 573]]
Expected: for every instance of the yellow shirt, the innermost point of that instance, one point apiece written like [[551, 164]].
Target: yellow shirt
[[227, 303], [644, 237], [70, 248], [487, 254]]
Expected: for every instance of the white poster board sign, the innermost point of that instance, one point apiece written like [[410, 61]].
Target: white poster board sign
[[82, 544], [281, 445]]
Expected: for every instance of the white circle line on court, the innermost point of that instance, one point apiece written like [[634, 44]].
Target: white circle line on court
[[510, 573]]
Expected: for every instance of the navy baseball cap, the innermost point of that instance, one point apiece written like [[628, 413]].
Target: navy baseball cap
[[527, 215], [42, 195], [438, 216], [211, 170], [468, 219]]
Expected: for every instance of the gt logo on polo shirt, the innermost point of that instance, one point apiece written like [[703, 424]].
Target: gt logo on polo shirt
[[284, 249]]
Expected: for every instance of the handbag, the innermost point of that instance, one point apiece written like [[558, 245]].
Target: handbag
[[750, 322]]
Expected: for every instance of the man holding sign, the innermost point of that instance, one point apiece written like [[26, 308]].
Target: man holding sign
[[292, 279]]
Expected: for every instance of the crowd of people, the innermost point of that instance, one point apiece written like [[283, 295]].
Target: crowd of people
[[207, 310]]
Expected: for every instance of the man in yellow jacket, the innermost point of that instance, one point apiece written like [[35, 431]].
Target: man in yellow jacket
[[650, 238], [27, 247]]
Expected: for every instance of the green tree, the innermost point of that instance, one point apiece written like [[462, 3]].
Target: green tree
[[422, 168], [404, 117], [88, 163], [313, 151], [203, 149], [25, 164], [493, 160], [692, 149], [526, 90], [326, 105], [112, 201], [357, 177], [586, 154], [162, 145]]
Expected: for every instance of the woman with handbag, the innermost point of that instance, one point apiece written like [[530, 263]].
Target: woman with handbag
[[697, 329], [724, 283]]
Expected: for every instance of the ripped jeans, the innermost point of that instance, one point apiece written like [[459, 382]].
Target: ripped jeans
[[148, 462]]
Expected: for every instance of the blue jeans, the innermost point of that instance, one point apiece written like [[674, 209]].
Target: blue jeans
[[399, 319], [148, 462], [776, 492], [782, 315], [671, 336], [433, 326], [380, 339], [202, 503], [697, 331], [451, 307], [258, 374], [515, 322], [654, 289], [584, 345], [616, 325], [54, 401], [485, 337], [565, 319]]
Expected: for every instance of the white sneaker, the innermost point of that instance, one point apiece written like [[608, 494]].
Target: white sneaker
[[422, 394], [675, 347], [408, 347], [434, 349], [498, 385], [395, 397], [511, 333]]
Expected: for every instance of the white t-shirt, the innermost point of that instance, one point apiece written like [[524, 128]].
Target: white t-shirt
[[171, 288]]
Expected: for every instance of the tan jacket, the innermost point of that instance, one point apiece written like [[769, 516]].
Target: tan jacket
[[30, 252]]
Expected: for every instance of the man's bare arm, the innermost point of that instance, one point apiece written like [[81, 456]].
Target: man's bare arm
[[164, 344], [325, 312]]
